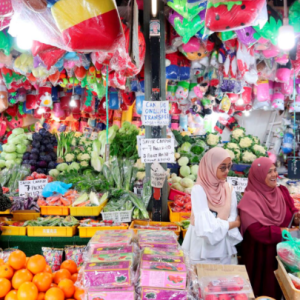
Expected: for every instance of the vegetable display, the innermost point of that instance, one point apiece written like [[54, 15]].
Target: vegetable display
[[5, 202], [22, 203], [68, 221]]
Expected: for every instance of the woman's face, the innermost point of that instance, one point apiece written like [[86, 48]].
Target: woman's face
[[224, 168], [271, 179]]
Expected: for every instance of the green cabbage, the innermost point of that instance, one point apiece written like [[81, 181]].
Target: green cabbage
[[177, 187], [54, 173], [185, 171], [194, 170], [11, 156], [183, 161], [21, 148], [62, 167], [74, 166], [187, 182], [186, 147], [2, 164], [18, 131], [8, 148], [9, 163]]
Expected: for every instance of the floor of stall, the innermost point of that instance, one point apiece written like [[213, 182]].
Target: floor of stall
[[33, 245]]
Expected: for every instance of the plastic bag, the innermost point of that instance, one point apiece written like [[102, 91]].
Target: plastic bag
[[56, 187], [54, 257], [289, 252], [75, 253], [233, 15]]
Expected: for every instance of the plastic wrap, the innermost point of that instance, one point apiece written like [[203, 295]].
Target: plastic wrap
[[233, 15], [163, 294], [111, 293], [75, 253], [164, 239], [224, 287], [187, 8], [289, 252], [54, 257]]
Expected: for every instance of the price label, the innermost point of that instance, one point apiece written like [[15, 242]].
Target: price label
[[32, 188], [158, 175], [155, 113], [157, 150], [238, 184]]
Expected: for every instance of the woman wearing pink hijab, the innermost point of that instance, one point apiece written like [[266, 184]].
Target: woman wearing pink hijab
[[264, 210], [213, 233]]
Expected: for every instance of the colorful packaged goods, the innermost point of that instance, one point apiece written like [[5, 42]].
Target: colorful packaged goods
[[224, 287], [163, 294], [153, 239], [112, 294]]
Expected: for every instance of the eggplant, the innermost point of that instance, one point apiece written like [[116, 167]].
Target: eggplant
[[53, 156], [42, 131], [41, 171], [36, 145], [52, 165], [36, 137], [26, 155], [32, 162], [34, 156], [49, 147], [43, 148], [47, 158], [42, 164], [32, 168], [26, 162], [45, 141], [35, 151]]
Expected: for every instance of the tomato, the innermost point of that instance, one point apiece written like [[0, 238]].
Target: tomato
[[50, 179], [40, 176], [179, 203], [34, 175], [29, 178], [188, 206]]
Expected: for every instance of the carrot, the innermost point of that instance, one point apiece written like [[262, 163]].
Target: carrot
[[84, 203]]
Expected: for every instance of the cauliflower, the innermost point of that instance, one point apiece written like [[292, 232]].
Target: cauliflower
[[245, 142], [84, 164], [248, 157], [238, 133], [140, 175], [259, 150], [256, 139], [231, 154], [69, 157], [139, 165], [232, 146], [237, 154], [212, 139], [85, 156]]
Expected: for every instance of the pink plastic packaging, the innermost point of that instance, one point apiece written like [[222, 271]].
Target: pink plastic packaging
[[163, 294], [262, 91], [112, 294]]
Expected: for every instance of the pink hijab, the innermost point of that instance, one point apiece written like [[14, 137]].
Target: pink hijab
[[217, 191], [261, 203]]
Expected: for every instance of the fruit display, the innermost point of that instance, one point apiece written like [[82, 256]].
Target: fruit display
[[182, 204], [31, 278]]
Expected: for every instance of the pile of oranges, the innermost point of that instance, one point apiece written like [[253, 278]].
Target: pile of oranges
[[23, 278]]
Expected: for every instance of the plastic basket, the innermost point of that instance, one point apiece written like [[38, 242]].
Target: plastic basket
[[51, 231], [178, 216], [25, 215], [118, 216], [13, 230], [173, 193], [55, 210], [7, 212], [87, 232], [145, 223], [92, 211]]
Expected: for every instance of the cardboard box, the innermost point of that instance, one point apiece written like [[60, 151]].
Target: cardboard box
[[206, 270]]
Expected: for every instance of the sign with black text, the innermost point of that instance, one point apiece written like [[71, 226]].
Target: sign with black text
[[32, 188], [238, 184], [158, 175], [157, 150], [155, 113]]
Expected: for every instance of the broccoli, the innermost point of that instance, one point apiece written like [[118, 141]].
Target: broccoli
[[197, 149]]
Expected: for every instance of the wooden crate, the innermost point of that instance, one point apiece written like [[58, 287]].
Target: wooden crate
[[285, 282]]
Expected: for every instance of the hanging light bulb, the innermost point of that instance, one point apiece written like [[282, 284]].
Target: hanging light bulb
[[154, 8], [41, 111], [23, 42], [73, 98], [286, 35]]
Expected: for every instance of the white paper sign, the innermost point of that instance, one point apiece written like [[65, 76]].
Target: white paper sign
[[238, 184], [157, 150], [32, 188], [139, 138], [155, 113], [158, 175]]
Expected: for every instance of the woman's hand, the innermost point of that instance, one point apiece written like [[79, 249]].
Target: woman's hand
[[235, 224]]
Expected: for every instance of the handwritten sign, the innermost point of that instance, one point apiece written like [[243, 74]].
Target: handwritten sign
[[157, 150], [158, 175], [238, 184], [155, 113], [32, 188]]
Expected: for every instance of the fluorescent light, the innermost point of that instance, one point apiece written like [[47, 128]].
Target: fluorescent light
[[286, 37], [154, 8], [41, 111]]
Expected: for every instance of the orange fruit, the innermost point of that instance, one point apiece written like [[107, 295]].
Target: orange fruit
[[42, 281], [69, 265], [27, 291], [1, 262], [41, 296], [60, 275], [53, 285], [78, 294], [36, 264], [17, 260], [67, 286], [12, 295], [20, 277], [55, 294], [48, 269], [6, 271], [5, 287], [70, 299], [74, 277]]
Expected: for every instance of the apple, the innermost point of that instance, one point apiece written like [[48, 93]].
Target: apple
[[224, 297], [211, 297], [241, 297]]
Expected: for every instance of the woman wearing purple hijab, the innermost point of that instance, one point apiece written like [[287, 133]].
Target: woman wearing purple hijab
[[264, 210]]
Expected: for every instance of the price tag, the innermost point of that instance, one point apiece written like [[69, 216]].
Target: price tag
[[158, 175], [32, 188], [157, 150], [139, 138], [238, 184], [155, 113]]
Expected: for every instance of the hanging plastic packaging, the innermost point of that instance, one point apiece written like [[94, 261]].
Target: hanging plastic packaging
[[233, 15], [140, 97], [288, 141], [3, 97]]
